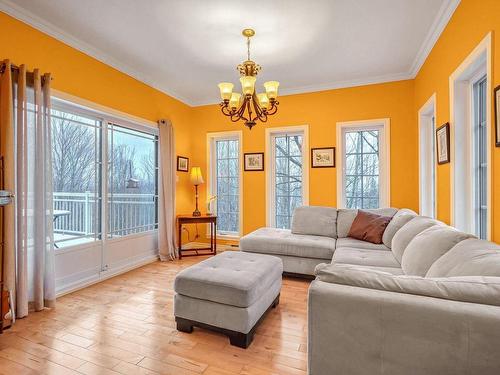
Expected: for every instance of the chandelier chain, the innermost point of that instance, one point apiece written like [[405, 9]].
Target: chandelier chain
[[248, 48]]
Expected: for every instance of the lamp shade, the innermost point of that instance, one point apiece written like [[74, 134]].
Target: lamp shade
[[226, 88], [234, 102], [196, 176], [263, 100], [247, 84], [271, 89]]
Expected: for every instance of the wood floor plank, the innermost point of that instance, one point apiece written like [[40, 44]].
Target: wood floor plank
[[125, 326]]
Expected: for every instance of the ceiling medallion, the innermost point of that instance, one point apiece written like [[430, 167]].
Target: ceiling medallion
[[249, 107]]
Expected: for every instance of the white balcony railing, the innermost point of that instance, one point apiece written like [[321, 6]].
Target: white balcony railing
[[75, 213]]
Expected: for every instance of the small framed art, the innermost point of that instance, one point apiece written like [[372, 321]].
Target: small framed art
[[254, 161], [182, 164], [323, 157], [443, 143]]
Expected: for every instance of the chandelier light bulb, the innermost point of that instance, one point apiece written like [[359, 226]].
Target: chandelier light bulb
[[263, 100], [226, 88], [234, 102], [248, 85], [271, 89]]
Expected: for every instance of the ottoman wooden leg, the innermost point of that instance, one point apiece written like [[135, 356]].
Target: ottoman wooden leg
[[276, 302], [239, 339], [184, 325]]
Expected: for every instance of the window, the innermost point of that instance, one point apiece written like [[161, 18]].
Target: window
[[427, 157], [288, 180], [480, 160], [80, 150], [225, 175], [76, 160], [364, 179], [132, 181]]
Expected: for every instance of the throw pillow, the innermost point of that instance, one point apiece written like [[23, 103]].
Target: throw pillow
[[369, 227]]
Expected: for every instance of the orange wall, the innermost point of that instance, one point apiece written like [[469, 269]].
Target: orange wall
[[80, 75], [321, 111], [471, 22]]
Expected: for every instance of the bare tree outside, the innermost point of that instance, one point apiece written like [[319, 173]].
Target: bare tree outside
[[362, 169], [288, 183]]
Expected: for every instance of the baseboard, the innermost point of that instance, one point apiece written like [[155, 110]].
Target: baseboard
[[97, 278]]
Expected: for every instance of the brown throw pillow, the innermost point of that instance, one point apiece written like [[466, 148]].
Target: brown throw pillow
[[369, 227]]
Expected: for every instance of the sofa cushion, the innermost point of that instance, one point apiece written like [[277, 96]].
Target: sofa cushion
[[428, 246], [408, 231], [284, 242], [353, 242], [390, 270], [364, 257], [233, 278], [315, 220], [369, 227], [474, 289], [345, 217], [472, 257], [398, 220]]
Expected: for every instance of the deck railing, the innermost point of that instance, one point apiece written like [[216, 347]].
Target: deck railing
[[75, 213]]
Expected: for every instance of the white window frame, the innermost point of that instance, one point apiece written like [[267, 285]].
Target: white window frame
[[212, 180], [477, 64], [427, 158], [270, 135], [383, 125], [106, 115]]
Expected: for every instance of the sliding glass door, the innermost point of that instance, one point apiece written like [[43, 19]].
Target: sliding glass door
[[105, 174]]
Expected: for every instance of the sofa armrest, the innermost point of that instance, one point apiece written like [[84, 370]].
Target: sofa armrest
[[355, 330]]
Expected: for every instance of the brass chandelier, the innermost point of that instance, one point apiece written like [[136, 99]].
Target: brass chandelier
[[249, 107]]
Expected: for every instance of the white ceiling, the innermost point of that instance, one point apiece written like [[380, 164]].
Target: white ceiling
[[185, 47]]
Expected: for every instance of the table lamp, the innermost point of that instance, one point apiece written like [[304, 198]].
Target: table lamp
[[196, 179]]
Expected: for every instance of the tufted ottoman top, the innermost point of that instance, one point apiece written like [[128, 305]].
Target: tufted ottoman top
[[233, 278]]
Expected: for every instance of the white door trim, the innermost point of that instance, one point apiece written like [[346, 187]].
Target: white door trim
[[459, 81], [425, 129]]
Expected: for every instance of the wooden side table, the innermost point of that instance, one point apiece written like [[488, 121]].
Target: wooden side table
[[203, 219]]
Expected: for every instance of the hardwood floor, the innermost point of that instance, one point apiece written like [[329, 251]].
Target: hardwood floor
[[125, 326]]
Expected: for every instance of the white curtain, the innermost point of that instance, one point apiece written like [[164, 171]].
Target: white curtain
[[35, 281], [166, 220]]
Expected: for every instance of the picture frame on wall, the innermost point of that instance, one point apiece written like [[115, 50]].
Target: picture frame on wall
[[323, 157], [497, 116], [254, 161], [443, 143], [182, 164]]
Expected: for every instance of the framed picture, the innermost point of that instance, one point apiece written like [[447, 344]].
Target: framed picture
[[323, 157], [497, 116], [254, 161], [443, 143], [182, 164]]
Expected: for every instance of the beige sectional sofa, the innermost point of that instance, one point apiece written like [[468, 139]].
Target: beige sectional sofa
[[426, 301]]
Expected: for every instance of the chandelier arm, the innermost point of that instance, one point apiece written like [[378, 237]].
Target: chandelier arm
[[273, 109], [249, 109], [260, 113], [225, 110]]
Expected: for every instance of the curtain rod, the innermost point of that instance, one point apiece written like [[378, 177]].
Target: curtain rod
[[15, 68]]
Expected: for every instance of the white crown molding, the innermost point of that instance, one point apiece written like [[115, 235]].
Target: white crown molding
[[38, 23], [445, 12], [443, 17]]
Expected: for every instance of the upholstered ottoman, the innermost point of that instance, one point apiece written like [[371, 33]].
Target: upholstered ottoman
[[228, 293]]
